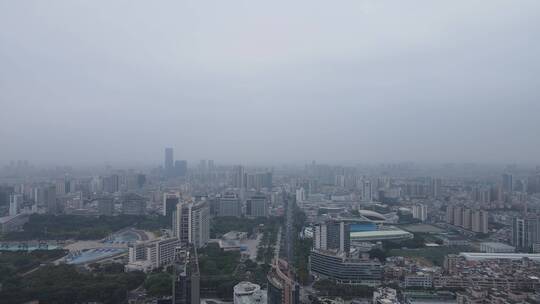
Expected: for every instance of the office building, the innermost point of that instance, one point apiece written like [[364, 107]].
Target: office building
[[49, 194], [239, 177], [229, 205], [111, 184], [170, 200], [508, 182], [186, 276], [169, 162], [257, 206], [191, 223], [333, 265], [332, 235], [15, 204], [133, 204]]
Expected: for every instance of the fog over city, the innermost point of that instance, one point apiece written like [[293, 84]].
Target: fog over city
[[275, 81]]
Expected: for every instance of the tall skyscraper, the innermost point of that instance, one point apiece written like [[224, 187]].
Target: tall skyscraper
[[239, 177], [508, 182], [419, 211], [50, 199], [525, 232], [435, 187], [169, 162], [15, 203], [186, 276], [367, 191]]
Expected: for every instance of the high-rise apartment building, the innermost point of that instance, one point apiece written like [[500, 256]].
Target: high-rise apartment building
[[479, 221], [239, 177], [419, 211], [300, 196], [367, 191], [332, 235], [15, 204], [436, 187], [191, 223], [467, 218], [525, 232], [508, 182]]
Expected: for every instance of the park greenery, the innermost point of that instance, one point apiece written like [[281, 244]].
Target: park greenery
[[65, 284], [221, 270], [14, 263], [159, 284], [224, 224], [63, 227], [265, 249], [302, 247]]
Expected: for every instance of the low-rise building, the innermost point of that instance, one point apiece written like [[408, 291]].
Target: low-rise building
[[493, 247], [249, 293]]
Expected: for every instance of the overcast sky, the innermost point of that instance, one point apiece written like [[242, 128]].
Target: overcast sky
[[270, 81]]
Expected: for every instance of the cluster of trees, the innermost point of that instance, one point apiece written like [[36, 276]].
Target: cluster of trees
[[224, 224], [265, 249], [14, 263], [302, 247], [159, 284], [61, 227], [214, 261], [64, 284], [221, 270]]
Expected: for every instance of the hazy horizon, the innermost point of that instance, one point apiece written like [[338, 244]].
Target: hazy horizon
[[91, 82]]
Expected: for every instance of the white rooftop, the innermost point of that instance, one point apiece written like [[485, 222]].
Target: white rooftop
[[477, 256]]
